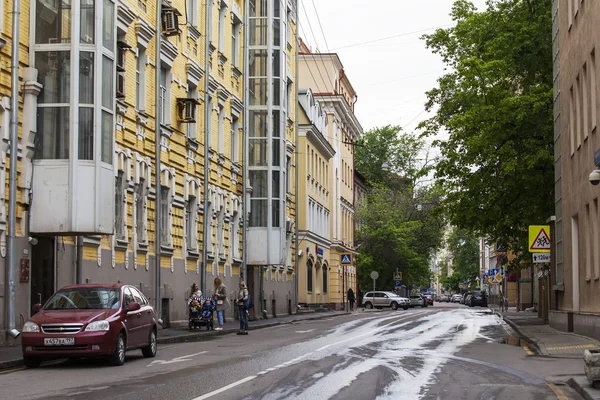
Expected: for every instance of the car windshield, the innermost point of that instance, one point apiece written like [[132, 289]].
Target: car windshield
[[84, 299]]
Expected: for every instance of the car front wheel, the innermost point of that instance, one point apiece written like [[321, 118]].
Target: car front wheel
[[394, 306], [368, 305], [118, 357], [150, 350]]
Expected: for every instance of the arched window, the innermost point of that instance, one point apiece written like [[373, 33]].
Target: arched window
[[325, 268], [309, 276]]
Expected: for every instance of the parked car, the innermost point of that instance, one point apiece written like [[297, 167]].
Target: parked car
[[478, 298], [380, 299], [418, 300], [92, 320], [429, 299], [456, 298]]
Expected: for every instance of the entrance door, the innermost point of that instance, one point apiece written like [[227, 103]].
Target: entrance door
[[42, 270]]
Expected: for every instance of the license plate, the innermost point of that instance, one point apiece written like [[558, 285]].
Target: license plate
[[59, 341]]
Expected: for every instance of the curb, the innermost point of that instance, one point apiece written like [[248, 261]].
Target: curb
[[197, 335], [200, 334], [534, 342], [583, 387]]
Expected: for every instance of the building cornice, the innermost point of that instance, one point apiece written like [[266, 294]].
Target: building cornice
[[315, 137], [337, 104]]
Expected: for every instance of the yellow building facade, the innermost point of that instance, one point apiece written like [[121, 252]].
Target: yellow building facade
[[324, 75], [97, 102]]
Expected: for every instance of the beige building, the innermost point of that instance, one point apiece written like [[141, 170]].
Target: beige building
[[314, 223], [576, 277], [325, 76]]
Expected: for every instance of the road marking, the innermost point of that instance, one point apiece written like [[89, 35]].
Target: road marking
[[529, 352], [8, 371], [285, 364], [573, 347], [558, 392], [310, 330], [175, 360]]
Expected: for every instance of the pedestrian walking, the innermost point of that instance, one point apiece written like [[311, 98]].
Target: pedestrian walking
[[220, 295], [351, 298], [241, 299]]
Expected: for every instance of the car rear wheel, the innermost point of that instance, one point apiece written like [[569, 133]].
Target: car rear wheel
[[32, 362], [368, 305], [150, 350], [118, 357], [394, 306]]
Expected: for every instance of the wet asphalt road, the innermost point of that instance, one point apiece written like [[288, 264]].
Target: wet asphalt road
[[440, 352]]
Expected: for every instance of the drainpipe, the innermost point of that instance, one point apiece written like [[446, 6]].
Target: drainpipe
[[11, 262], [296, 158], [157, 199], [245, 199], [79, 266], [207, 115]]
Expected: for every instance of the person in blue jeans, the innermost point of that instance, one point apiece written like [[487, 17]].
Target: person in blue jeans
[[242, 297], [220, 295]]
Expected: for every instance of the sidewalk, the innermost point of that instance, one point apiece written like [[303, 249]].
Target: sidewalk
[[11, 357], [552, 343]]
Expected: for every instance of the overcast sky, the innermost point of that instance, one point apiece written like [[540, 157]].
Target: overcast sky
[[390, 76]]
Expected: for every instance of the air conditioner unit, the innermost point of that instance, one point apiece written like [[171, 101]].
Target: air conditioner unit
[[120, 85], [187, 109], [290, 226], [170, 21]]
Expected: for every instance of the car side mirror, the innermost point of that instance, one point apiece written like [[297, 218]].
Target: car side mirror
[[36, 308], [133, 306]]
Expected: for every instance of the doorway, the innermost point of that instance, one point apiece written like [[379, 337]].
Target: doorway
[[250, 286], [42, 270]]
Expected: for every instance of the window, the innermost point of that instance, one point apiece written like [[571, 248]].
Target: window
[[288, 177], [127, 297], [52, 21], [221, 232], [259, 200], [141, 212], [208, 219], [236, 28], [221, 137], [140, 80], [165, 95], [209, 123], [236, 235], [191, 223], [235, 140], [192, 12], [222, 16], [593, 89], [165, 218], [120, 207], [289, 101], [309, 276], [191, 128], [325, 278]]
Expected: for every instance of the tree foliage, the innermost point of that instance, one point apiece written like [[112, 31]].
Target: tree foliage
[[495, 104], [464, 247], [393, 230]]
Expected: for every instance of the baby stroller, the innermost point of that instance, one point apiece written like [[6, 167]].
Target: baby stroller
[[201, 313], [194, 312]]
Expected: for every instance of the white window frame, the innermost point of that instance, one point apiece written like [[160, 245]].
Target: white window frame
[[191, 223], [192, 11], [192, 127], [140, 79], [209, 122], [236, 29], [221, 231], [235, 140], [166, 216], [221, 137], [165, 95], [222, 18], [141, 200], [121, 206]]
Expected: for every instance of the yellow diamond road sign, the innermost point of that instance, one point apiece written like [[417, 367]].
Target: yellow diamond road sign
[[539, 238]]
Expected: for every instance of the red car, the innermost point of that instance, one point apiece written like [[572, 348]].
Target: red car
[[92, 320]]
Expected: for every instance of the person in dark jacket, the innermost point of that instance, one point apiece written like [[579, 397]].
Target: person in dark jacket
[[351, 298]]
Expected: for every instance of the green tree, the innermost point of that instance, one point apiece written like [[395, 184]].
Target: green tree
[[495, 104], [464, 247]]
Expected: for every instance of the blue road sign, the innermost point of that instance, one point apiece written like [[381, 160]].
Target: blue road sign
[[346, 259], [397, 269], [397, 284]]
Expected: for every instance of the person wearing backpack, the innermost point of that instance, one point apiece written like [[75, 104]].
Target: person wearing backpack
[[242, 298]]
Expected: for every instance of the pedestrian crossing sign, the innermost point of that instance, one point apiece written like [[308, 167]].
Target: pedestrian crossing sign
[[346, 259], [539, 238], [397, 276]]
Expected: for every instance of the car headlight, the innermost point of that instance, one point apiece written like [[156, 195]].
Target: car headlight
[[31, 327], [97, 326]]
